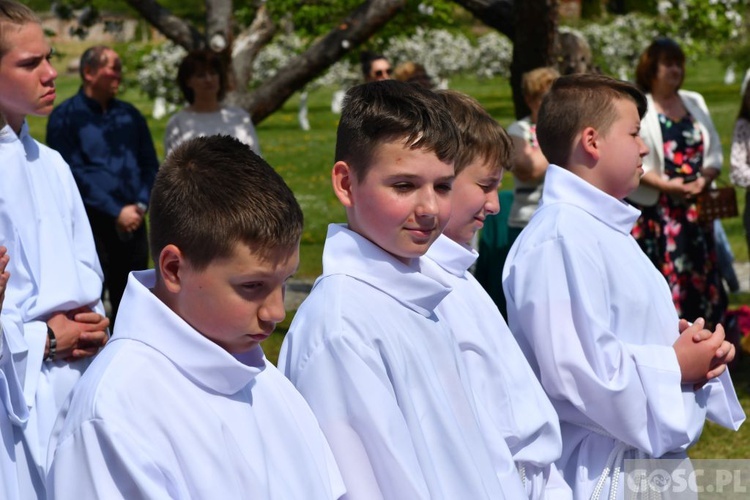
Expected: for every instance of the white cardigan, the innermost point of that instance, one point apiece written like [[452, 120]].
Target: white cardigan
[[651, 134]]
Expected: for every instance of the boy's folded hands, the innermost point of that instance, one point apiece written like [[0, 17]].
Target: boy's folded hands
[[702, 355]]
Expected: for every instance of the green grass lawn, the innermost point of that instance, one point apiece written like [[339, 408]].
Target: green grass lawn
[[304, 159]]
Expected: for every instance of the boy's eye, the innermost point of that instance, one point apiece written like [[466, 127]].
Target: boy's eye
[[444, 187], [251, 286], [403, 186]]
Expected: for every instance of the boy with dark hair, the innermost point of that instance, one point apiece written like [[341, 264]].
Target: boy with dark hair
[[593, 315], [381, 372], [183, 403], [509, 398]]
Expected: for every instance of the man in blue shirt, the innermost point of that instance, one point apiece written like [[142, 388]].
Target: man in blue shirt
[[109, 148]]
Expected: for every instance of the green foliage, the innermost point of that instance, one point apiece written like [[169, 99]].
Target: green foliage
[[591, 9], [312, 18]]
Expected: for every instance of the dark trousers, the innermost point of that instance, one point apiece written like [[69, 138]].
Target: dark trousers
[[118, 255]]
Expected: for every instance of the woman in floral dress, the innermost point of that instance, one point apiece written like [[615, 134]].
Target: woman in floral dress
[[684, 158]]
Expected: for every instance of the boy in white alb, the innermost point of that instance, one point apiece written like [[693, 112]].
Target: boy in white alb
[[182, 403], [380, 371], [593, 315], [53, 315], [508, 396], [13, 410]]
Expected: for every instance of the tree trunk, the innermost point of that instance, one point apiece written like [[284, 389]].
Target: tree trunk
[[246, 47], [533, 45]]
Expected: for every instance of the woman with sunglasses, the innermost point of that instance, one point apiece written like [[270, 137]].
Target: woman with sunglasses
[[375, 67]]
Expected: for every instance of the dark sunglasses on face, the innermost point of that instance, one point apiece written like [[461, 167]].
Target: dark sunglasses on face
[[381, 72]]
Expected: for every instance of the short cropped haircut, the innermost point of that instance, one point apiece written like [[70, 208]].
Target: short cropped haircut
[[390, 111], [198, 61], [536, 83], [213, 192], [578, 101], [481, 136], [15, 14], [661, 50], [93, 59]]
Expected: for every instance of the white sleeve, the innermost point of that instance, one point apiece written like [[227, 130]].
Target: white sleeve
[[11, 393], [559, 301], [98, 461], [348, 389]]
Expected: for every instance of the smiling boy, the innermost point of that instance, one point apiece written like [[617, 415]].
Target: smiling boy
[[380, 371], [593, 315], [182, 403], [514, 410]]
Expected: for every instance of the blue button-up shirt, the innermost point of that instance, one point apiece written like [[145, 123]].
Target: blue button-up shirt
[[110, 151]]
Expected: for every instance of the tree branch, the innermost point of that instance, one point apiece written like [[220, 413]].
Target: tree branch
[[176, 29], [350, 33], [496, 14]]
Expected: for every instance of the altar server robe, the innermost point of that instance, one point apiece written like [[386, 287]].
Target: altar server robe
[[163, 412], [13, 412], [508, 395], [54, 267], [596, 320], [384, 378]]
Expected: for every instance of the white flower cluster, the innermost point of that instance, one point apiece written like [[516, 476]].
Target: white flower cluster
[[157, 74], [617, 45]]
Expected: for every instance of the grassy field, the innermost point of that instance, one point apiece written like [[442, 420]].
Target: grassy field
[[304, 159]]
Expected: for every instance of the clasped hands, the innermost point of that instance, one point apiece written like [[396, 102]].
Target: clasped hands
[[80, 333], [702, 355]]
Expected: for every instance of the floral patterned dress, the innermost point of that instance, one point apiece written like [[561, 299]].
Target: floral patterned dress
[[669, 232]]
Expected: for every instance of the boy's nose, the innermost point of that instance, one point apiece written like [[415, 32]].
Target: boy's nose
[[428, 204], [492, 203], [272, 310]]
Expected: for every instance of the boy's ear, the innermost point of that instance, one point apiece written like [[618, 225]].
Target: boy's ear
[[171, 261], [342, 178], [590, 142]]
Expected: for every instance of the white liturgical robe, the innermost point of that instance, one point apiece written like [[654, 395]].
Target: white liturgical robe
[[163, 412], [13, 412], [596, 320], [384, 378], [53, 267], [508, 395]]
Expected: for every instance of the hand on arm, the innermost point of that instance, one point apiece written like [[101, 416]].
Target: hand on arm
[[79, 333], [529, 163]]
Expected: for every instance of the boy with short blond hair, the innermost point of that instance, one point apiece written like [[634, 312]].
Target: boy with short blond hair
[[381, 372], [182, 403], [52, 315], [509, 398], [592, 314]]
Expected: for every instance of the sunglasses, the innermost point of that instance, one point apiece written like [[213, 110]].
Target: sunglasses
[[382, 72]]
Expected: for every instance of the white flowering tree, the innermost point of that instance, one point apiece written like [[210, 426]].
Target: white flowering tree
[[331, 30]]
